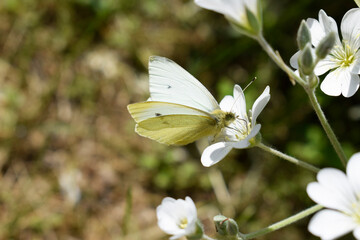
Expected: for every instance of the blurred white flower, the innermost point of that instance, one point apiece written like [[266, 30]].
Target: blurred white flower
[[69, 180], [104, 61], [239, 134], [344, 58], [177, 217], [341, 194], [235, 10]]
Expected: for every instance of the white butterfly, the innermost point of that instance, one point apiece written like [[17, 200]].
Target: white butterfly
[[180, 109]]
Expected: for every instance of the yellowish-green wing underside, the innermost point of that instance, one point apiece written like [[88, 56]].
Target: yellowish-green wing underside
[[177, 129], [145, 110]]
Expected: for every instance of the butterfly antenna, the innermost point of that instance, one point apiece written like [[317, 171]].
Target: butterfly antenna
[[250, 83], [243, 91]]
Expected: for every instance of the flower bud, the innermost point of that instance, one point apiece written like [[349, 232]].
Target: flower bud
[[303, 35], [325, 45], [313, 81], [306, 60], [226, 226]]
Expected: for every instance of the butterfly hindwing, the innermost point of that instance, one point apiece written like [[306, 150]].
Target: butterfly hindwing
[[177, 129], [144, 110]]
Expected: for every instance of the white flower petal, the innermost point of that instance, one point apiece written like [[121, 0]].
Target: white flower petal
[[252, 5], [332, 84], [242, 143], [338, 182], [332, 191], [177, 236], [294, 60], [245, 142], [234, 9], [329, 25], [240, 103], [353, 172], [214, 5], [357, 232], [166, 223], [350, 26], [325, 65], [214, 153], [316, 30], [350, 83], [355, 66], [324, 197], [329, 224], [259, 104], [191, 210], [227, 103], [170, 214]]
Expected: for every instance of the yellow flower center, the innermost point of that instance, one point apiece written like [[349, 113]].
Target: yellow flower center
[[343, 55], [183, 223]]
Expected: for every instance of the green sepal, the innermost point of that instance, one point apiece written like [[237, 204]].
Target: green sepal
[[325, 45], [226, 227], [306, 61], [198, 232], [254, 24], [303, 35]]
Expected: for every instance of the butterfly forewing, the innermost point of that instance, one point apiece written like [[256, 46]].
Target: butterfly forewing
[[171, 83]]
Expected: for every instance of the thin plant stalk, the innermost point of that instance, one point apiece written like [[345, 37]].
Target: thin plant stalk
[[288, 158], [325, 124], [283, 223]]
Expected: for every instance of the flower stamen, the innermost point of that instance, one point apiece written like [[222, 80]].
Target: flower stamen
[[343, 55], [183, 223]]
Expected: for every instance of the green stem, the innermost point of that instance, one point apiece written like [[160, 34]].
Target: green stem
[[288, 158], [325, 124], [283, 223]]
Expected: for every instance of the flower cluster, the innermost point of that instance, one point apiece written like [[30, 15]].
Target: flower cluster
[[343, 62]]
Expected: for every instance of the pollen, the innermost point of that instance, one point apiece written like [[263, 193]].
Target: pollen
[[183, 223], [344, 55]]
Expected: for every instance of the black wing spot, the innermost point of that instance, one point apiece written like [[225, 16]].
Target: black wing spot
[[168, 87], [157, 114]]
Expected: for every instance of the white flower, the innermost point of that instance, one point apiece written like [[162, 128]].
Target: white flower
[[177, 217], [341, 194], [344, 58], [241, 132], [69, 180], [235, 10]]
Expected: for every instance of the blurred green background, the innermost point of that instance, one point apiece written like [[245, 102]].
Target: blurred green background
[[72, 166]]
